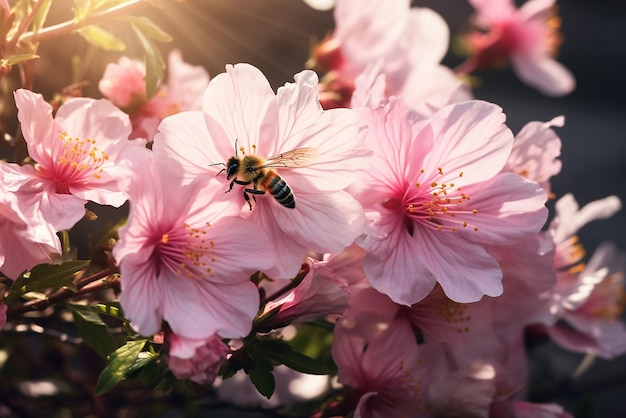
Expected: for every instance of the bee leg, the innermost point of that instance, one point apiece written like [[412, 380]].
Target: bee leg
[[253, 192], [240, 182]]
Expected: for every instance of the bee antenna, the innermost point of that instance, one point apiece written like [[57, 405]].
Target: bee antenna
[[218, 173], [236, 147]]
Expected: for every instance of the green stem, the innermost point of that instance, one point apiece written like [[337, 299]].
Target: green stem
[[24, 24], [71, 26]]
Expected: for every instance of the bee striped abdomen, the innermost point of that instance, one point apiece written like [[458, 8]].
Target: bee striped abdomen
[[281, 191]]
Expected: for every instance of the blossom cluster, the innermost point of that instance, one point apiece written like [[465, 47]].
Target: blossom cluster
[[383, 199]]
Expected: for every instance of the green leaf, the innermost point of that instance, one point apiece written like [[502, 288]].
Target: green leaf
[[42, 14], [46, 276], [282, 353], [102, 39], [154, 63], [95, 333], [262, 379], [82, 9], [120, 362], [149, 29], [109, 308]]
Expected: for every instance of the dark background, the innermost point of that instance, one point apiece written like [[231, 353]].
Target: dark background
[[275, 35]]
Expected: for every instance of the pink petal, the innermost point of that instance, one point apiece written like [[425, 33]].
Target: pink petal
[[545, 74], [342, 152], [510, 208], [35, 116], [324, 222], [289, 252], [429, 36], [241, 106], [142, 295], [199, 309], [472, 138], [185, 82], [394, 265], [465, 271], [370, 29], [183, 139], [491, 11]]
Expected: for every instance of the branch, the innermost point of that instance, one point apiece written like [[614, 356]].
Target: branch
[[71, 26], [108, 279]]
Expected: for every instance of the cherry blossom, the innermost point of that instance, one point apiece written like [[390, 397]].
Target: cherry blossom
[[124, 84], [196, 359], [527, 36], [407, 43], [588, 297], [436, 198], [185, 260], [26, 239], [76, 157], [243, 117], [535, 152]]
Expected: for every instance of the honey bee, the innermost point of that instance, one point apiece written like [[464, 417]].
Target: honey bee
[[259, 171]]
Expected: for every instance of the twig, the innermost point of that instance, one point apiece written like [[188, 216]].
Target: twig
[[71, 26], [40, 304]]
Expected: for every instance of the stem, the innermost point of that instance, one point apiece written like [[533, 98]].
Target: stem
[[71, 26], [304, 270], [62, 294], [24, 24]]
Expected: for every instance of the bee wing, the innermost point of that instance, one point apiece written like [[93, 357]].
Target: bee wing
[[298, 157]]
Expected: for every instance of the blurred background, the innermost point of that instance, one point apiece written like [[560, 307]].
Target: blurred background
[[276, 35]]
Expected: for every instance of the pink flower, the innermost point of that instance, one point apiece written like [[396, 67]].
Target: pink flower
[[123, 83], [26, 239], [242, 116], [527, 36], [407, 43], [391, 375], [76, 154], [589, 298], [535, 152], [382, 364], [320, 293], [197, 360], [184, 260], [436, 198]]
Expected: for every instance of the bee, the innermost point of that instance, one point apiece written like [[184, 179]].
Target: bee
[[259, 172]]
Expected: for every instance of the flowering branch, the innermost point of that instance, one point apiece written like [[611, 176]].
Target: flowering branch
[[24, 24], [71, 26], [109, 279]]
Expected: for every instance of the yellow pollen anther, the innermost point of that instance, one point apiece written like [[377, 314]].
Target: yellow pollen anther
[[474, 211], [433, 184], [461, 174], [422, 170], [464, 224], [439, 227], [440, 170], [417, 184], [165, 238], [410, 208]]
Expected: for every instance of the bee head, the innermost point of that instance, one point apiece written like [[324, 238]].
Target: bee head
[[231, 167]]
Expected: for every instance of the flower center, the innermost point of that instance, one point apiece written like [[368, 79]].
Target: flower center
[[437, 203], [187, 252], [79, 160]]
